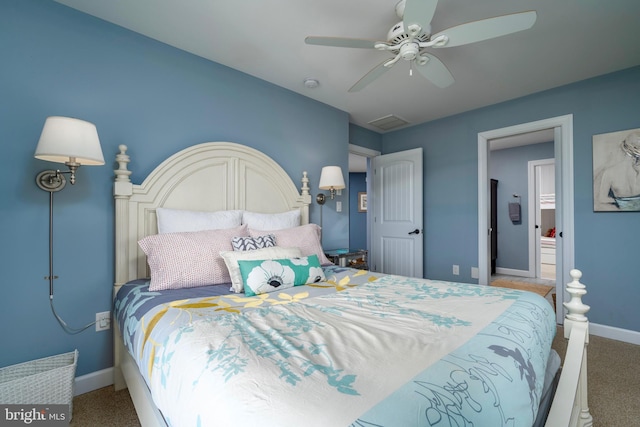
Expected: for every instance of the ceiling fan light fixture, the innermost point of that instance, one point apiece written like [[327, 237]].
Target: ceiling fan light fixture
[[409, 51]]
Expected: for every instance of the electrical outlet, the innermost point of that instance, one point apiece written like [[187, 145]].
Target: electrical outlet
[[103, 321], [475, 273], [456, 270]]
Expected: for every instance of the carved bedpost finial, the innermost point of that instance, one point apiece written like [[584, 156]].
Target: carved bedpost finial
[[576, 309], [122, 174], [122, 188], [305, 183]]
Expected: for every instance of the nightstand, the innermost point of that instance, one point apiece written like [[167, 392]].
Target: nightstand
[[354, 258]]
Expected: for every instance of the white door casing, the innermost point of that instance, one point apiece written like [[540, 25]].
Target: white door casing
[[535, 230], [397, 221], [563, 153], [369, 154]]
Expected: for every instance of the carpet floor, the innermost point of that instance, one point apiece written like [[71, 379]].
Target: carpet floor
[[613, 380]]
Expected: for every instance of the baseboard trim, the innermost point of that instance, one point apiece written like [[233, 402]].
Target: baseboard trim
[[512, 272], [93, 381], [618, 334]]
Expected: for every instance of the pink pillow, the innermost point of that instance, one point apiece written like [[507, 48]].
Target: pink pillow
[[189, 259], [305, 237]]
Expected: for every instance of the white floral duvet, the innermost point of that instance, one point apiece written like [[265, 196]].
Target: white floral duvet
[[360, 349]]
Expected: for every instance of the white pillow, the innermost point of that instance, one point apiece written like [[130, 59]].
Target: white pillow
[[190, 259], [268, 222], [179, 220], [305, 237], [231, 259]]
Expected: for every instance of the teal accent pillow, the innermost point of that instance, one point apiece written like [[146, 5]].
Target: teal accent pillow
[[262, 276]]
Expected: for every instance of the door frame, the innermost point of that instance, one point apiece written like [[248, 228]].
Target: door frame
[[563, 150], [534, 212], [369, 154]]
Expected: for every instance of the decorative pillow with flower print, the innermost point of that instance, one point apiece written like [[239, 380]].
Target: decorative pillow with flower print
[[262, 276]]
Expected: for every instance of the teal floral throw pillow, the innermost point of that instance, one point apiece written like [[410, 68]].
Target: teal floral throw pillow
[[271, 275]]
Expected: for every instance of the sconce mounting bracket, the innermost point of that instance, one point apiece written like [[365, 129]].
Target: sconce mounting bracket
[[51, 181]]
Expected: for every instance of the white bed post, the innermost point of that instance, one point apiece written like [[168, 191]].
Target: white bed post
[[570, 405], [306, 199], [122, 191]]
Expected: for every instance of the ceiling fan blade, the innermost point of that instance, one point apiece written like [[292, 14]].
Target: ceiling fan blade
[[419, 12], [435, 71], [370, 77], [341, 42], [485, 29]]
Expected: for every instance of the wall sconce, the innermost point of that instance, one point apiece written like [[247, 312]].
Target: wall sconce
[[330, 179], [72, 142]]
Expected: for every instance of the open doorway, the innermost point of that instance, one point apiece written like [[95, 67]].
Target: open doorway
[[542, 211], [517, 222], [563, 152], [359, 226]]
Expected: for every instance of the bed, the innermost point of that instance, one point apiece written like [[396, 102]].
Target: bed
[[341, 347]]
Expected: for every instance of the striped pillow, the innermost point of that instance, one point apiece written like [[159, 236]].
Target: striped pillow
[[253, 243]]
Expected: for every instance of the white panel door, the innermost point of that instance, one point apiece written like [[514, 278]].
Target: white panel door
[[397, 235]]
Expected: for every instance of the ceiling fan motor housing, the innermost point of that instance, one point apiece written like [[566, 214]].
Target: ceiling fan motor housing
[[397, 34]]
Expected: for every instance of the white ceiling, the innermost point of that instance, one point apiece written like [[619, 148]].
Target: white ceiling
[[571, 40]]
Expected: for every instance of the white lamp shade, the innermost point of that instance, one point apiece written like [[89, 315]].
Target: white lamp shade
[[331, 177], [63, 138]]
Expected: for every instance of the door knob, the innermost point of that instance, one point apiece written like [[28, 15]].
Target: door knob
[[416, 231]]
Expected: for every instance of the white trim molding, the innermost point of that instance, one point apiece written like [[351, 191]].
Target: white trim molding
[[93, 381], [613, 333], [563, 147]]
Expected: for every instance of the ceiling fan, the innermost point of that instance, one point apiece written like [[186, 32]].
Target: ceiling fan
[[410, 38]]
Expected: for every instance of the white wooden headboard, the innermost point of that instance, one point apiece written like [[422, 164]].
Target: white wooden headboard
[[212, 176]]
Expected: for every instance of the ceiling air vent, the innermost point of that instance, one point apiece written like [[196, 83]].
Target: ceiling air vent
[[388, 122]]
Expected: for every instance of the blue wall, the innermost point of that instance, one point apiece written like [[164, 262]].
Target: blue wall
[[357, 220], [606, 244], [138, 92], [510, 168], [365, 137]]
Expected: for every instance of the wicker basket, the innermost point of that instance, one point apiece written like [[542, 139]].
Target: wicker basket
[[48, 381]]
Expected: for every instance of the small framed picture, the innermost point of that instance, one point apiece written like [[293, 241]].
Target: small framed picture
[[362, 202]]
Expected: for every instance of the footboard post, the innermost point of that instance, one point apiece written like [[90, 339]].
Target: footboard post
[[570, 405]]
